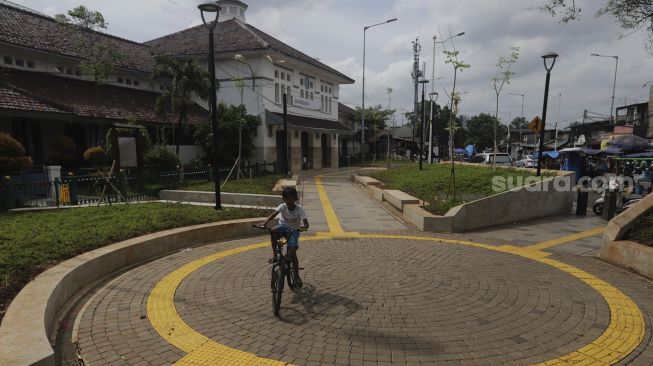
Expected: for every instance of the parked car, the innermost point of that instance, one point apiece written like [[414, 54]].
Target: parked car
[[527, 162], [503, 159]]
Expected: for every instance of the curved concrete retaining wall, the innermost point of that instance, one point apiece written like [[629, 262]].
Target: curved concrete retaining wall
[[626, 253], [261, 200], [32, 314], [518, 204]]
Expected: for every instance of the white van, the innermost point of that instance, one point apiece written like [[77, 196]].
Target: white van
[[503, 159]]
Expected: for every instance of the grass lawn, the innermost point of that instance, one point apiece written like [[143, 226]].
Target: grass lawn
[[258, 185], [31, 242], [432, 183], [642, 230]]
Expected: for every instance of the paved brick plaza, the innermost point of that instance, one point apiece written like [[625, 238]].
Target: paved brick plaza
[[370, 301]]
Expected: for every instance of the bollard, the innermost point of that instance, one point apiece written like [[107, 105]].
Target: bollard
[[72, 187], [609, 205], [581, 202]]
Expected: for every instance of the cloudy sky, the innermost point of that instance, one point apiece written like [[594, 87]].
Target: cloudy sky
[[331, 30]]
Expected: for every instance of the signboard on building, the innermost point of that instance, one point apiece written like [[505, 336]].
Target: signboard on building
[[128, 155], [306, 103]]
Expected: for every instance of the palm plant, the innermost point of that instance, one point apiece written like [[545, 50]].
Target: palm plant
[[185, 79]]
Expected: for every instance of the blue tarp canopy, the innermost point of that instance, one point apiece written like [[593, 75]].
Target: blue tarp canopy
[[459, 151], [470, 150], [648, 154], [547, 154]]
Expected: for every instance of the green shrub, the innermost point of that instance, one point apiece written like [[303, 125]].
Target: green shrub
[[161, 159], [12, 155], [95, 155], [63, 151]]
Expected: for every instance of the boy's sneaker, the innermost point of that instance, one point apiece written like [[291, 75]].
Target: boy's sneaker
[[272, 260]]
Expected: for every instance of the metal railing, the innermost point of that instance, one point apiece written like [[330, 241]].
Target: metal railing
[[101, 188]]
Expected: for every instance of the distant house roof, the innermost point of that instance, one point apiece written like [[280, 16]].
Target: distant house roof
[[231, 35], [344, 109], [38, 92], [27, 28]]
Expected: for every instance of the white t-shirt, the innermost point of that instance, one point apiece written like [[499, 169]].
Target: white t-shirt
[[292, 218]]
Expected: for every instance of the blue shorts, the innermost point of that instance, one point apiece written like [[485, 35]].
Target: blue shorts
[[293, 239]]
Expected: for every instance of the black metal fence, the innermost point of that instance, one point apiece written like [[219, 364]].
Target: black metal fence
[[101, 188]]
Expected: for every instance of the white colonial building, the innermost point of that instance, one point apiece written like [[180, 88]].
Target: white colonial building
[[48, 95]]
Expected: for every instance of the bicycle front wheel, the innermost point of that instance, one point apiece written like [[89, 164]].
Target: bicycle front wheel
[[277, 289]]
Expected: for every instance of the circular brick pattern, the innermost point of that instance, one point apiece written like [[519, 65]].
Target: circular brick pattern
[[400, 301]]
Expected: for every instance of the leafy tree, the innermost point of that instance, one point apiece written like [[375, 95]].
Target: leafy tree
[[519, 123], [376, 119], [451, 57], [502, 78], [230, 120], [630, 15], [186, 78], [12, 155], [102, 57], [480, 131]]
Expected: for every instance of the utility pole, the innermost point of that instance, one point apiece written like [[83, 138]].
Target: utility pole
[[387, 158], [417, 48]]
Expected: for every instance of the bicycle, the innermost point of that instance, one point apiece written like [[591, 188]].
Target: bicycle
[[280, 269]]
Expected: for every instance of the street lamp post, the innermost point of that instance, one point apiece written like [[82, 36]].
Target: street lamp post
[[614, 83], [210, 7], [548, 57], [421, 135], [433, 97], [240, 58], [522, 117], [363, 102]]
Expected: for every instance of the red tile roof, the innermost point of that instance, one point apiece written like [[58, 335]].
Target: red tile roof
[[29, 29], [32, 91], [15, 100], [230, 36]]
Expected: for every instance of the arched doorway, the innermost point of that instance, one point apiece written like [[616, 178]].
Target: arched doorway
[[326, 150]]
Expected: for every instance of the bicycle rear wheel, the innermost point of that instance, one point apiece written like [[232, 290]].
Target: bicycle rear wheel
[[277, 289]]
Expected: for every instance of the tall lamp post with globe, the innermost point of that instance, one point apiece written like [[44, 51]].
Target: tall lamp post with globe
[[209, 7]]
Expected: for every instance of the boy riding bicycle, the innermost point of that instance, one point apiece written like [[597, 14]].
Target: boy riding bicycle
[[292, 218]]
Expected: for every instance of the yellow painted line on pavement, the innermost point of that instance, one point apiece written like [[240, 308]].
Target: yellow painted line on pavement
[[329, 212], [622, 336], [566, 239]]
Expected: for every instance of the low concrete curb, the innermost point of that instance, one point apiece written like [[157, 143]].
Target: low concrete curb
[[519, 204], [259, 200], [626, 253], [33, 313]]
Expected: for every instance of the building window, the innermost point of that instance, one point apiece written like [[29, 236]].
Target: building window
[[276, 73], [78, 72], [20, 62], [311, 95], [288, 77], [283, 75], [322, 103], [276, 92], [137, 83], [311, 85], [128, 81], [301, 93], [321, 88], [122, 81], [269, 130], [69, 71], [289, 95], [30, 64], [296, 133], [242, 12], [9, 60]]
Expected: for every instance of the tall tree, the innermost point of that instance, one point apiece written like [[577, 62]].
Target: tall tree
[[231, 119], [451, 57], [101, 57], [376, 120], [185, 79], [480, 131], [501, 78], [630, 15], [519, 123]]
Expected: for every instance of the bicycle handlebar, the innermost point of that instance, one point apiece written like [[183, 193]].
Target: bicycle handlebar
[[270, 229]]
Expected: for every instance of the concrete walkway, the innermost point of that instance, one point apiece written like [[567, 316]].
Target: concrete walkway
[[378, 293]]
